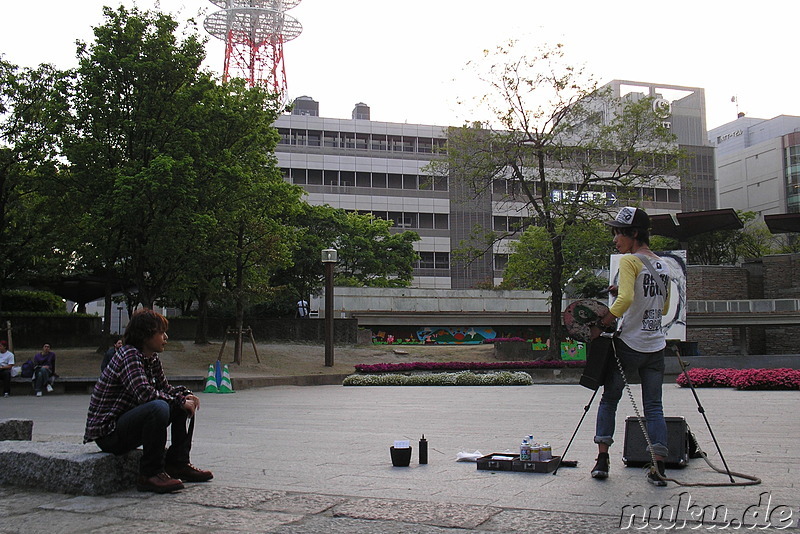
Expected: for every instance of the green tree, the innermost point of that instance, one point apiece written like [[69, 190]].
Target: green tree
[[244, 202], [586, 248], [369, 253], [729, 247], [131, 167], [561, 145], [33, 105]]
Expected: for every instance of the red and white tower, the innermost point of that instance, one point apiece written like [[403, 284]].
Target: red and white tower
[[254, 32]]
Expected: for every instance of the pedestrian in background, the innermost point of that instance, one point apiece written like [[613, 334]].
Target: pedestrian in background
[[44, 370]]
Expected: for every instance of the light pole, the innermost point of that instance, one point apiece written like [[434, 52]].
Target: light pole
[[329, 259]]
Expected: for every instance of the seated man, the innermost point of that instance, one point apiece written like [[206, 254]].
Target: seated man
[[133, 404], [6, 363]]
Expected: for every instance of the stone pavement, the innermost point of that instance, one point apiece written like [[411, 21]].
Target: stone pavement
[[315, 459]]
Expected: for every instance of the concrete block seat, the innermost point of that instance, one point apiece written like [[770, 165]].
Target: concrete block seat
[[59, 467], [16, 429]]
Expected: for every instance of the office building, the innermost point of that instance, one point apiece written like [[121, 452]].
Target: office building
[[383, 168], [758, 164]]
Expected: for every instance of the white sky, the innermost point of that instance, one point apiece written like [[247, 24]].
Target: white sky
[[401, 58]]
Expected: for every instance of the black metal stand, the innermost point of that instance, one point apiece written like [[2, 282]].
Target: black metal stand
[[703, 413], [585, 411]]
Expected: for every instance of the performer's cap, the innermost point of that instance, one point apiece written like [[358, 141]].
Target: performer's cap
[[630, 218]]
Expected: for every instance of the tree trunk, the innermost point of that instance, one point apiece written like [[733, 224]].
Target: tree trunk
[[556, 297], [237, 347], [201, 328]]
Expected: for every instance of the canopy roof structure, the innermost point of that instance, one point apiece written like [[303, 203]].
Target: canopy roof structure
[[691, 223]]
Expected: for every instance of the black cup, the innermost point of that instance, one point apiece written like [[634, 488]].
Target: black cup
[[400, 457]]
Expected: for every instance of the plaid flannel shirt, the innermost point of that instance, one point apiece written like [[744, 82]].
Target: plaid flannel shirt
[[129, 380]]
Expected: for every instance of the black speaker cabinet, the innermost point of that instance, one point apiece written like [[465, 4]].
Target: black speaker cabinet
[[635, 453]]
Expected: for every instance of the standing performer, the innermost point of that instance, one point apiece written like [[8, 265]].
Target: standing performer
[[642, 298]]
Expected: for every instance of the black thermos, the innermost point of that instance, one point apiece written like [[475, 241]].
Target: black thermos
[[423, 450]]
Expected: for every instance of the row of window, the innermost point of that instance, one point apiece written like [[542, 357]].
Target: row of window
[[380, 180], [362, 141], [401, 219], [433, 260], [505, 189]]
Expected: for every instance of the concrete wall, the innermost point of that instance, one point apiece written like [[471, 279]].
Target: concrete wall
[[352, 300], [771, 277]]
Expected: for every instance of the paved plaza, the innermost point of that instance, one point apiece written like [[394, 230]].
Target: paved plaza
[[315, 459]]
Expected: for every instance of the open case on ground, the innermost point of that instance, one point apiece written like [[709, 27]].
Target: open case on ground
[[506, 461]]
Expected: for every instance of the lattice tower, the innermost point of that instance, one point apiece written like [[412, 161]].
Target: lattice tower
[[254, 32]]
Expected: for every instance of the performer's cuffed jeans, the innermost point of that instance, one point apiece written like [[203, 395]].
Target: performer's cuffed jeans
[[146, 425], [650, 367]]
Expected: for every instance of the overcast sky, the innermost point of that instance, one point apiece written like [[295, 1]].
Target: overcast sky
[[406, 60]]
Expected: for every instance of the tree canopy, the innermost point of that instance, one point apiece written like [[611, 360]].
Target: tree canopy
[[564, 153]]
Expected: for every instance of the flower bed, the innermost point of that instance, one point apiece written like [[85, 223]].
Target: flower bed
[[465, 366], [464, 378], [743, 379]]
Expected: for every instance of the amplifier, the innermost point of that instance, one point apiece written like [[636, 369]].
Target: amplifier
[[635, 453]]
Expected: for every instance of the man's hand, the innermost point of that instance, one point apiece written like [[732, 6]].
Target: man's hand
[[191, 404]]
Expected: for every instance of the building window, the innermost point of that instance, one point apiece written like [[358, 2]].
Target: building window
[[314, 138], [434, 260], [395, 181], [330, 139], [379, 179], [441, 221], [298, 176], [425, 220], [314, 177], [378, 142], [363, 179], [409, 181], [500, 262], [426, 260], [331, 178]]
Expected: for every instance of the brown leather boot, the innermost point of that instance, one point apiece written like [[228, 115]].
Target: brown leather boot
[[158, 483], [188, 473]]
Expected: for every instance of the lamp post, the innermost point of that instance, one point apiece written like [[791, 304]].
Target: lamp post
[[329, 259]]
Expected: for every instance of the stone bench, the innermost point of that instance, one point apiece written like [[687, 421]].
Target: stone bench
[[66, 467], [16, 429], [85, 384]]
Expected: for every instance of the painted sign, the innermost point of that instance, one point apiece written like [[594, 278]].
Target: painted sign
[[673, 324]]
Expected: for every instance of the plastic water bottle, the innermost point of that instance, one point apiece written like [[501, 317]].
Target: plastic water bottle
[[525, 451]]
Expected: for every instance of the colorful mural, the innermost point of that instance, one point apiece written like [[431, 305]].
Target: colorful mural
[[437, 335]]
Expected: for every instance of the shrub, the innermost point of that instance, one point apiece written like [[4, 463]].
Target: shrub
[[465, 366], [707, 378], [743, 379], [465, 378], [770, 379], [17, 300]]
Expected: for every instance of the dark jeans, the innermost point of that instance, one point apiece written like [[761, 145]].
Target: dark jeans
[[146, 425], [5, 377], [650, 367], [41, 377]]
